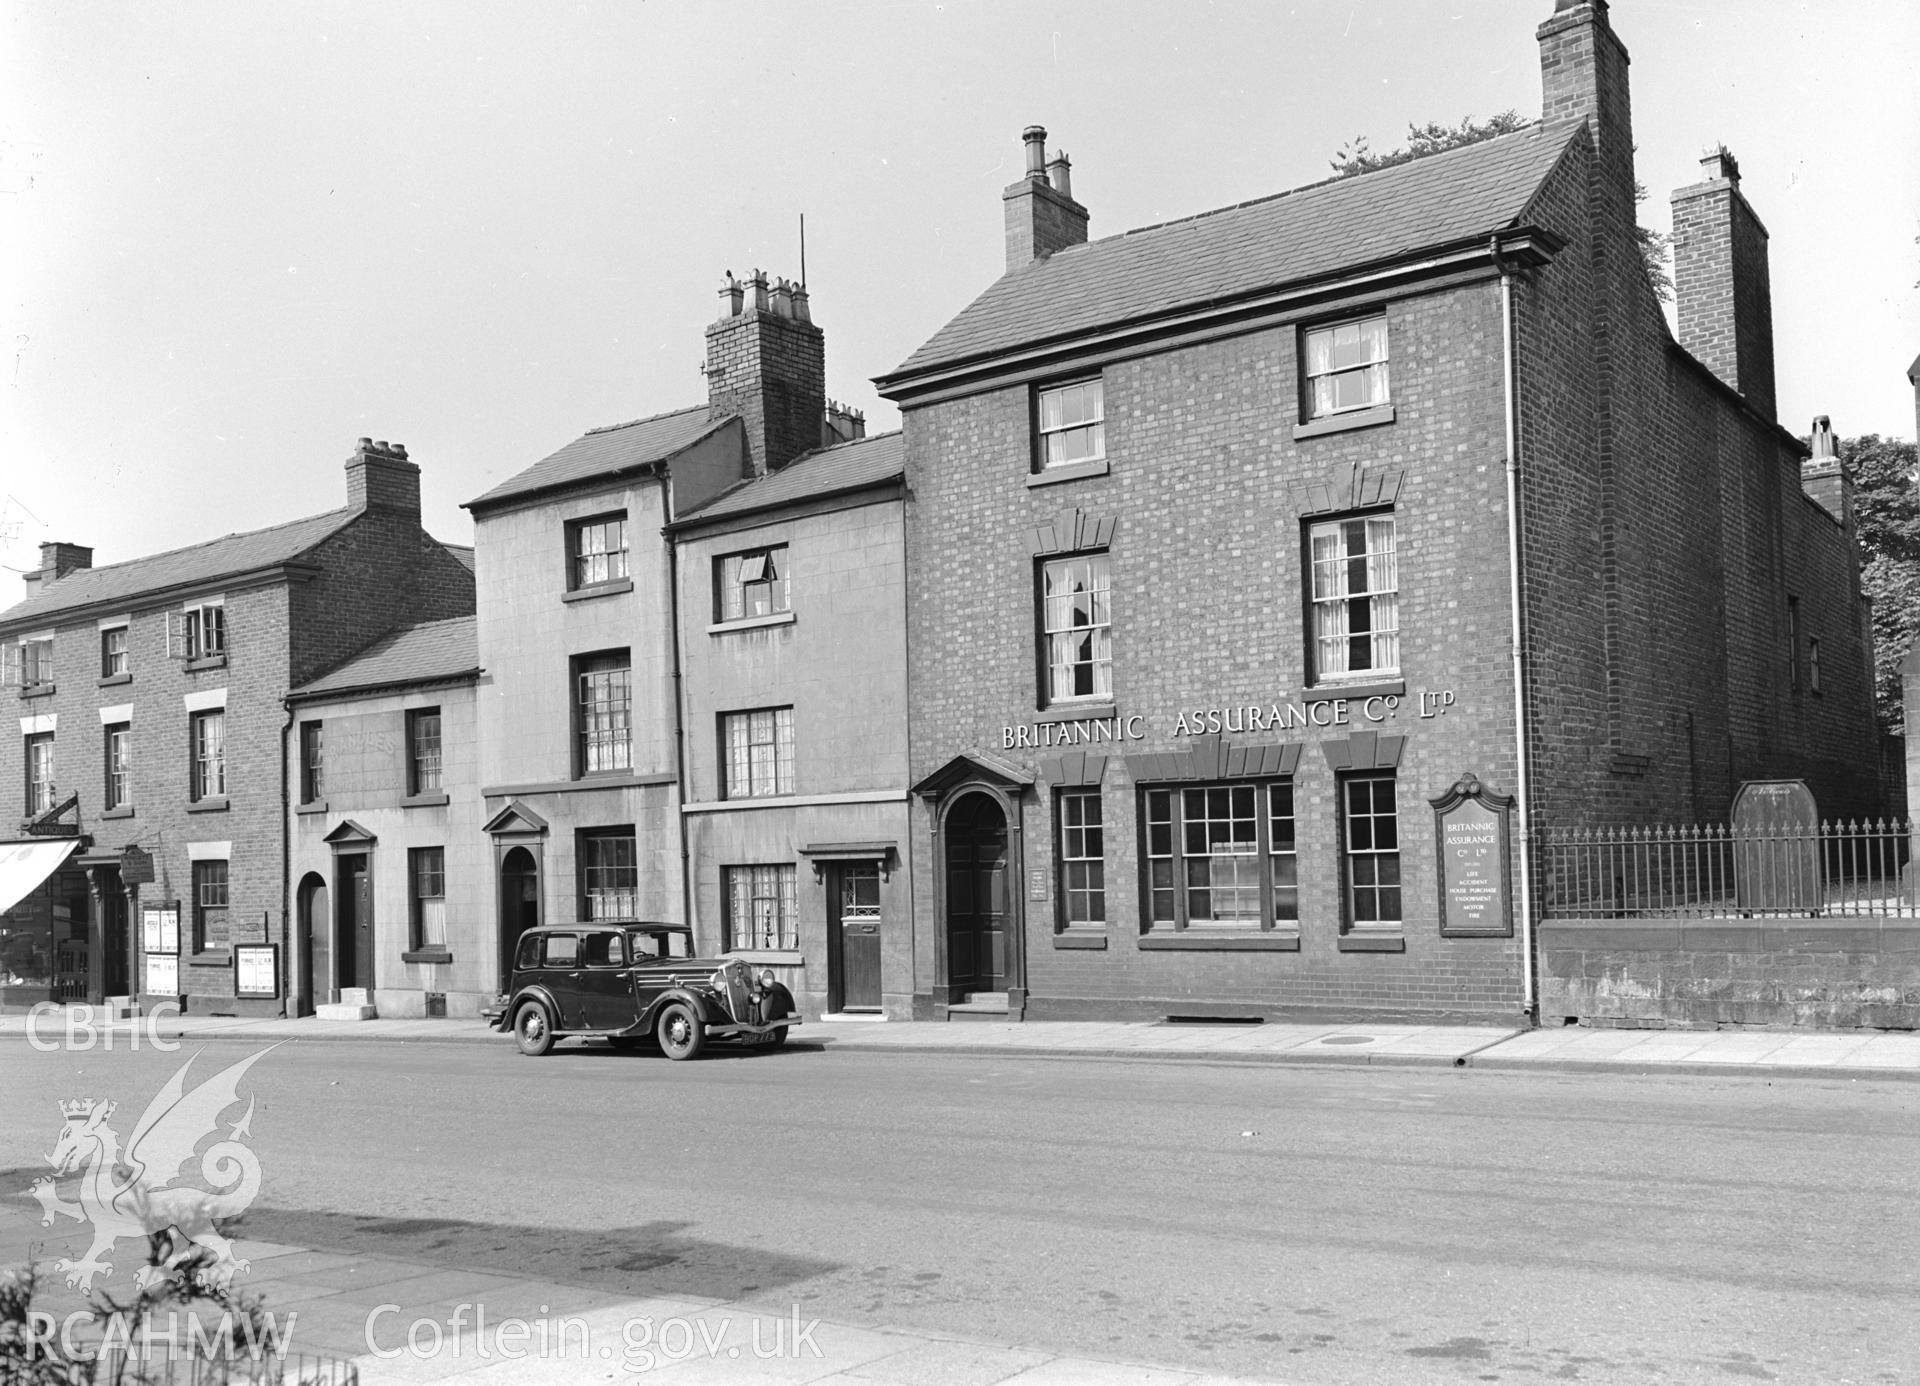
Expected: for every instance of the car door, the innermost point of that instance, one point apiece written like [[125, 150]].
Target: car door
[[562, 974], [605, 987]]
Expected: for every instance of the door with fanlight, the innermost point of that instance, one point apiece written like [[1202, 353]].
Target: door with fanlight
[[854, 933]]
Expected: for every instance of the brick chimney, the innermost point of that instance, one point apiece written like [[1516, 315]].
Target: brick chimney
[[1824, 477], [1042, 216], [379, 477], [843, 424], [1583, 74], [59, 559], [767, 362], [1722, 290]]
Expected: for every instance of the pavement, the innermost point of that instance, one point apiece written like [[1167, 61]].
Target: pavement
[[537, 1330], [1875, 1054]]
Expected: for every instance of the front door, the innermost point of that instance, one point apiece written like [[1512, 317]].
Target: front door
[[976, 896], [312, 966], [354, 941], [519, 904], [853, 926]]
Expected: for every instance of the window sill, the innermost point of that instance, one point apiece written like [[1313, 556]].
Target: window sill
[[313, 806], [772, 957], [1068, 471], [1075, 711], [115, 680], [210, 957], [1251, 941], [1344, 423], [1373, 943], [38, 690], [599, 589], [426, 955], [778, 618], [435, 800], [1080, 938], [211, 805], [1333, 692], [126, 812], [195, 666]]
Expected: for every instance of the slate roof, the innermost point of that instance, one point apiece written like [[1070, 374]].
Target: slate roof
[[1307, 233], [463, 552], [615, 448], [415, 654], [122, 583], [824, 472]]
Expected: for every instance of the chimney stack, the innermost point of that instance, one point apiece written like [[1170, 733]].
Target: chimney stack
[[1722, 290], [379, 477], [767, 362], [1583, 75], [1824, 477], [58, 559], [1042, 216]]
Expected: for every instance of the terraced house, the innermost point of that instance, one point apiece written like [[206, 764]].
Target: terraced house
[[1271, 572], [149, 857]]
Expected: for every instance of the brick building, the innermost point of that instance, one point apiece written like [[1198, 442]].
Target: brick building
[[150, 755], [391, 905], [1271, 571], [592, 762]]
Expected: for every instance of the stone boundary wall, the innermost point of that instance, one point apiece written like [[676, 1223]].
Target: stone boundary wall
[[1720, 973]]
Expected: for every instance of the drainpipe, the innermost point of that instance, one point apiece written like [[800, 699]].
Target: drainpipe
[[287, 969], [679, 709], [1522, 801]]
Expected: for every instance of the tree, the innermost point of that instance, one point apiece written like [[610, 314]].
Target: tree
[[1886, 508], [1355, 158]]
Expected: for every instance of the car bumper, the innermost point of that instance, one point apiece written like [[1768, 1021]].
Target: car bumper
[[722, 1031]]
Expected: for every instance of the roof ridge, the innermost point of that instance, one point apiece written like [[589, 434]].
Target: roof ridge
[[651, 418], [1531, 128], [342, 513]]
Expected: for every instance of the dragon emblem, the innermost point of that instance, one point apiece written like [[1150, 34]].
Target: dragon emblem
[[128, 1195]]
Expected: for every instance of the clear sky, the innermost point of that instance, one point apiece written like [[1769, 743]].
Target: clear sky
[[237, 236]]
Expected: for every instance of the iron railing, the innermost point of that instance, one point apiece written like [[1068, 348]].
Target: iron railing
[[1850, 869]]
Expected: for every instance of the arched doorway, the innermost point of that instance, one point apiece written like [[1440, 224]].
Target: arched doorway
[[976, 835], [311, 968], [519, 904]]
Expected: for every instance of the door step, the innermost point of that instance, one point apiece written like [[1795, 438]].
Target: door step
[[979, 1005], [355, 1004]]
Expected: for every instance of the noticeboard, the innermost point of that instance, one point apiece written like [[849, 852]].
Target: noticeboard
[[163, 975], [256, 970], [160, 929], [1470, 838]]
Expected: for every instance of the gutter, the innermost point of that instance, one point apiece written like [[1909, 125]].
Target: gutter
[[1529, 990]]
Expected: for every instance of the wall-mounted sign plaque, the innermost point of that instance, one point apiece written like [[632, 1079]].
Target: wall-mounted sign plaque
[[1470, 836], [256, 970]]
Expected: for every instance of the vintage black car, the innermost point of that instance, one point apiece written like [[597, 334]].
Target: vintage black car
[[626, 983]]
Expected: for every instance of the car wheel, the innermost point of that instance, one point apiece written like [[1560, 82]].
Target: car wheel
[[681, 1034], [532, 1030]]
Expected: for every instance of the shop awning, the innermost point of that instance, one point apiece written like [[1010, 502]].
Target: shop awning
[[23, 865]]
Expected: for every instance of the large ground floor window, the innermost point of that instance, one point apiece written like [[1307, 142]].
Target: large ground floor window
[[1221, 856], [760, 907]]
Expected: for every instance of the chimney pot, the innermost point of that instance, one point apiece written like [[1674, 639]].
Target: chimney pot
[[1060, 174], [802, 310], [730, 296], [782, 299], [364, 443], [758, 282], [1036, 138], [1719, 162]]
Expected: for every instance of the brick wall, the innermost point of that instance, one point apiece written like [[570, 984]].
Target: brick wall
[[771, 370]]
